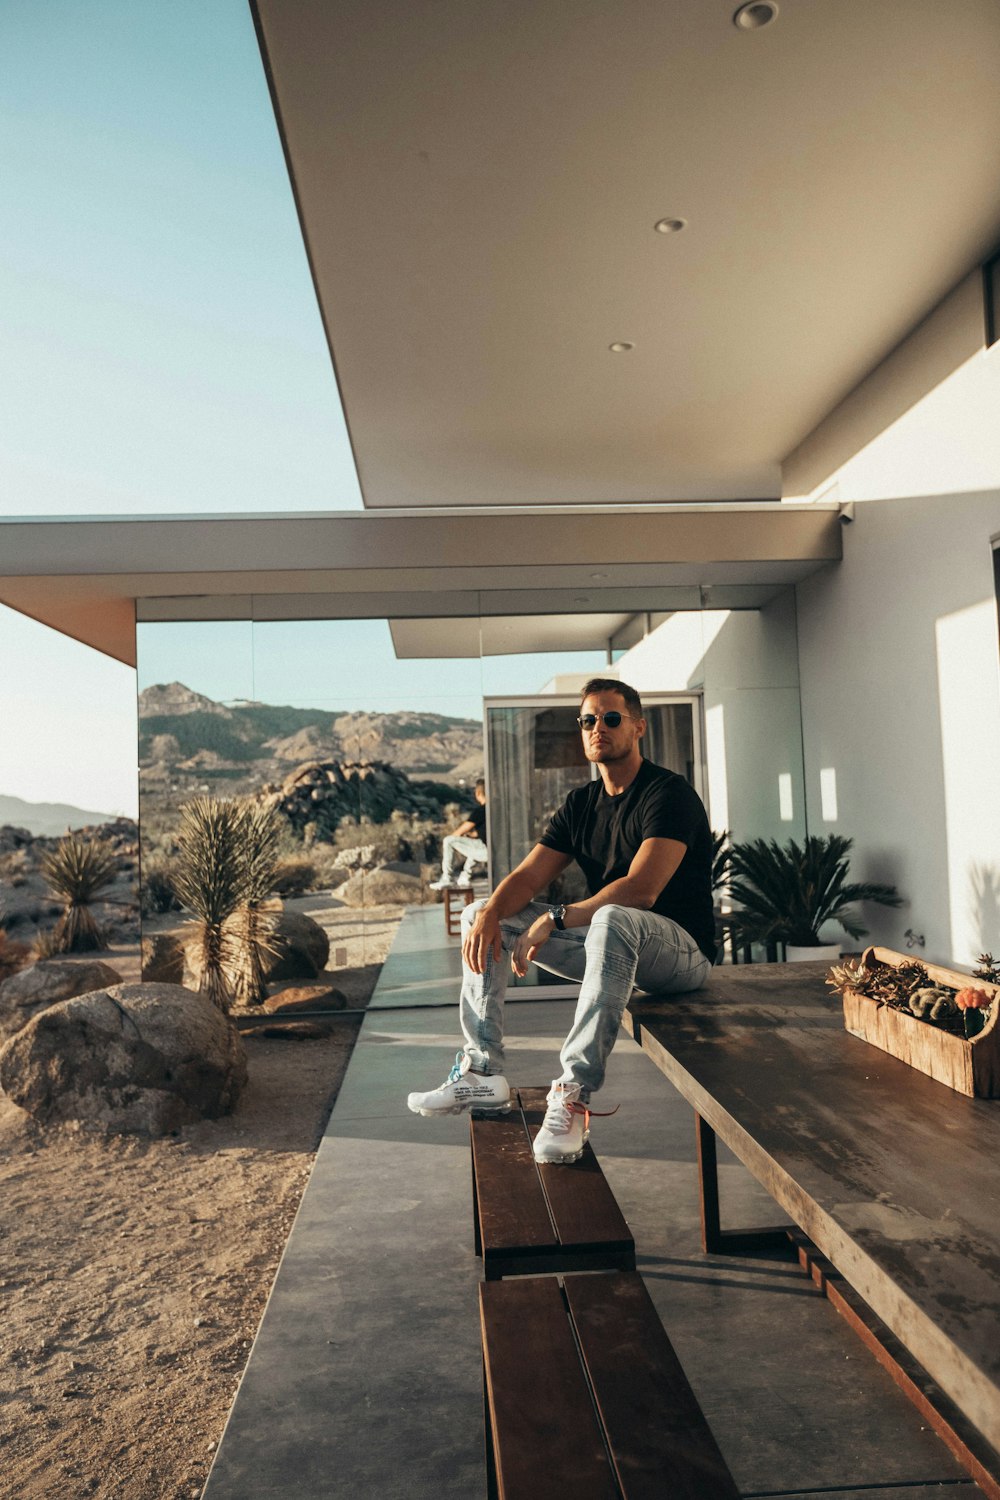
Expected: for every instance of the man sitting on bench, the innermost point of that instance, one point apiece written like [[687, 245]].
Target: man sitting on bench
[[641, 837], [468, 842]]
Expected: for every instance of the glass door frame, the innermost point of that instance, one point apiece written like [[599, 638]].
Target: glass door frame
[[694, 698]]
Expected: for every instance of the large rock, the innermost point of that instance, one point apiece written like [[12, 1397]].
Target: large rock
[[384, 888], [147, 1058], [305, 997], [298, 948], [46, 983], [301, 947], [163, 958]]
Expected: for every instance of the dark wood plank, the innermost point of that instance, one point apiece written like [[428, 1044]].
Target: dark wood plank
[[545, 1431], [583, 1207], [660, 1442], [510, 1202], [893, 1176]]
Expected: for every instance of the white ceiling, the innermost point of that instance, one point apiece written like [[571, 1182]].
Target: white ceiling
[[478, 186]]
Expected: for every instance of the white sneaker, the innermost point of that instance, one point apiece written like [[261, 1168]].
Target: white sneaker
[[463, 882], [444, 884], [566, 1125], [463, 1090]]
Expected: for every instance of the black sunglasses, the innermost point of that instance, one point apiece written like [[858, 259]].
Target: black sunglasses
[[611, 719]]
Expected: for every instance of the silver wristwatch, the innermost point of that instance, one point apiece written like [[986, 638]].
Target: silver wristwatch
[[558, 915]]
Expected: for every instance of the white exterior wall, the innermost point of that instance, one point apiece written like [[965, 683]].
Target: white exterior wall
[[745, 665], [898, 651], [899, 657]]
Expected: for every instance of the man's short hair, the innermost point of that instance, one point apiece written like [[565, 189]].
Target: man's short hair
[[480, 785], [611, 685]]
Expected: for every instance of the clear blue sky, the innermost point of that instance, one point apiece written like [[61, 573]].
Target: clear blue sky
[[162, 351]]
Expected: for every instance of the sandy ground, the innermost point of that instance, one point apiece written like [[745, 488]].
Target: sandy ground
[[134, 1272]]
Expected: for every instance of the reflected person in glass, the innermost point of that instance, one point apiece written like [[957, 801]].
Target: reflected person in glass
[[641, 836], [467, 843]]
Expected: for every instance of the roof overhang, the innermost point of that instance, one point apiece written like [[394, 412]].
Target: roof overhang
[[478, 188], [94, 578]]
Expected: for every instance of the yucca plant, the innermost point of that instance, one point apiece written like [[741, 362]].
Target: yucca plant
[[247, 926], [785, 893], [211, 880], [223, 871], [76, 871]]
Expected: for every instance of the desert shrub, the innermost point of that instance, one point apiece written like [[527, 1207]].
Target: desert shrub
[[158, 894], [295, 876], [387, 841], [406, 836], [13, 955], [77, 870]]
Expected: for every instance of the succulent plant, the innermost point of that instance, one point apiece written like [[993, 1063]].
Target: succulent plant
[[932, 1003]]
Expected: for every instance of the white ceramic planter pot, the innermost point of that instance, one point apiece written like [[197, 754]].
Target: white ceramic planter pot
[[819, 953]]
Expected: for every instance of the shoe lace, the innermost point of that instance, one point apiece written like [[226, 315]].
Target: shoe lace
[[560, 1112], [456, 1068]]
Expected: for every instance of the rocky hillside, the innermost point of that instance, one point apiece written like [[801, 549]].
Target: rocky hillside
[[189, 743]]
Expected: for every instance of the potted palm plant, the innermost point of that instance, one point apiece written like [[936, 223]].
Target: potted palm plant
[[786, 893]]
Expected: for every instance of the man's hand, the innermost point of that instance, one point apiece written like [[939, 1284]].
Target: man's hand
[[529, 942], [483, 935]]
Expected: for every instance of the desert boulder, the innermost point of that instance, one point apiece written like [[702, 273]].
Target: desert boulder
[[46, 983], [384, 887], [296, 948], [147, 1058]]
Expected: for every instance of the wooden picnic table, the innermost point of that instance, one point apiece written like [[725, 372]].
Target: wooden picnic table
[[892, 1177]]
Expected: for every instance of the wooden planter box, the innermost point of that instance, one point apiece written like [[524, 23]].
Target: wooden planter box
[[970, 1066]]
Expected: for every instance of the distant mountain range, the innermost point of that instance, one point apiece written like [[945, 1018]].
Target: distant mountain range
[[48, 819], [184, 737]]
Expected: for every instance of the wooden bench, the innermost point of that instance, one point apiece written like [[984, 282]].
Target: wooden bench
[[584, 1396], [532, 1217]]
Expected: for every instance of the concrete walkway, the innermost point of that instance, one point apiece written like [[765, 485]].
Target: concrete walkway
[[365, 1377]]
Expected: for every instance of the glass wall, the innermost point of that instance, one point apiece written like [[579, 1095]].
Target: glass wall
[[534, 758], [370, 746]]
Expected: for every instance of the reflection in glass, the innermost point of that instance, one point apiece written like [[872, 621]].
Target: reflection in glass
[[535, 758]]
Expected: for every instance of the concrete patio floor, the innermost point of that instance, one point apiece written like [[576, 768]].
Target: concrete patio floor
[[365, 1376]]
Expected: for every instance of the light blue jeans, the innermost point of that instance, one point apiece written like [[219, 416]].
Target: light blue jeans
[[622, 948], [462, 846]]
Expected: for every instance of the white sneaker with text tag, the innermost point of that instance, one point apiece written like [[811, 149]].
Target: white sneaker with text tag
[[463, 1090]]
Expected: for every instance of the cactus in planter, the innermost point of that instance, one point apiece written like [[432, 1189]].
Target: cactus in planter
[[974, 1005]]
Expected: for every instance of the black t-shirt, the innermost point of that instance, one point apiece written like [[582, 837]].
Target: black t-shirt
[[603, 834], [477, 816]]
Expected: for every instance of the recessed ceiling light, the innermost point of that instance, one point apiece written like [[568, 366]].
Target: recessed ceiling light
[[621, 347], [670, 226], [755, 15]]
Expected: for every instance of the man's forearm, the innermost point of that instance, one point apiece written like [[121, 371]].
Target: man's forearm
[[512, 894], [624, 892]]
